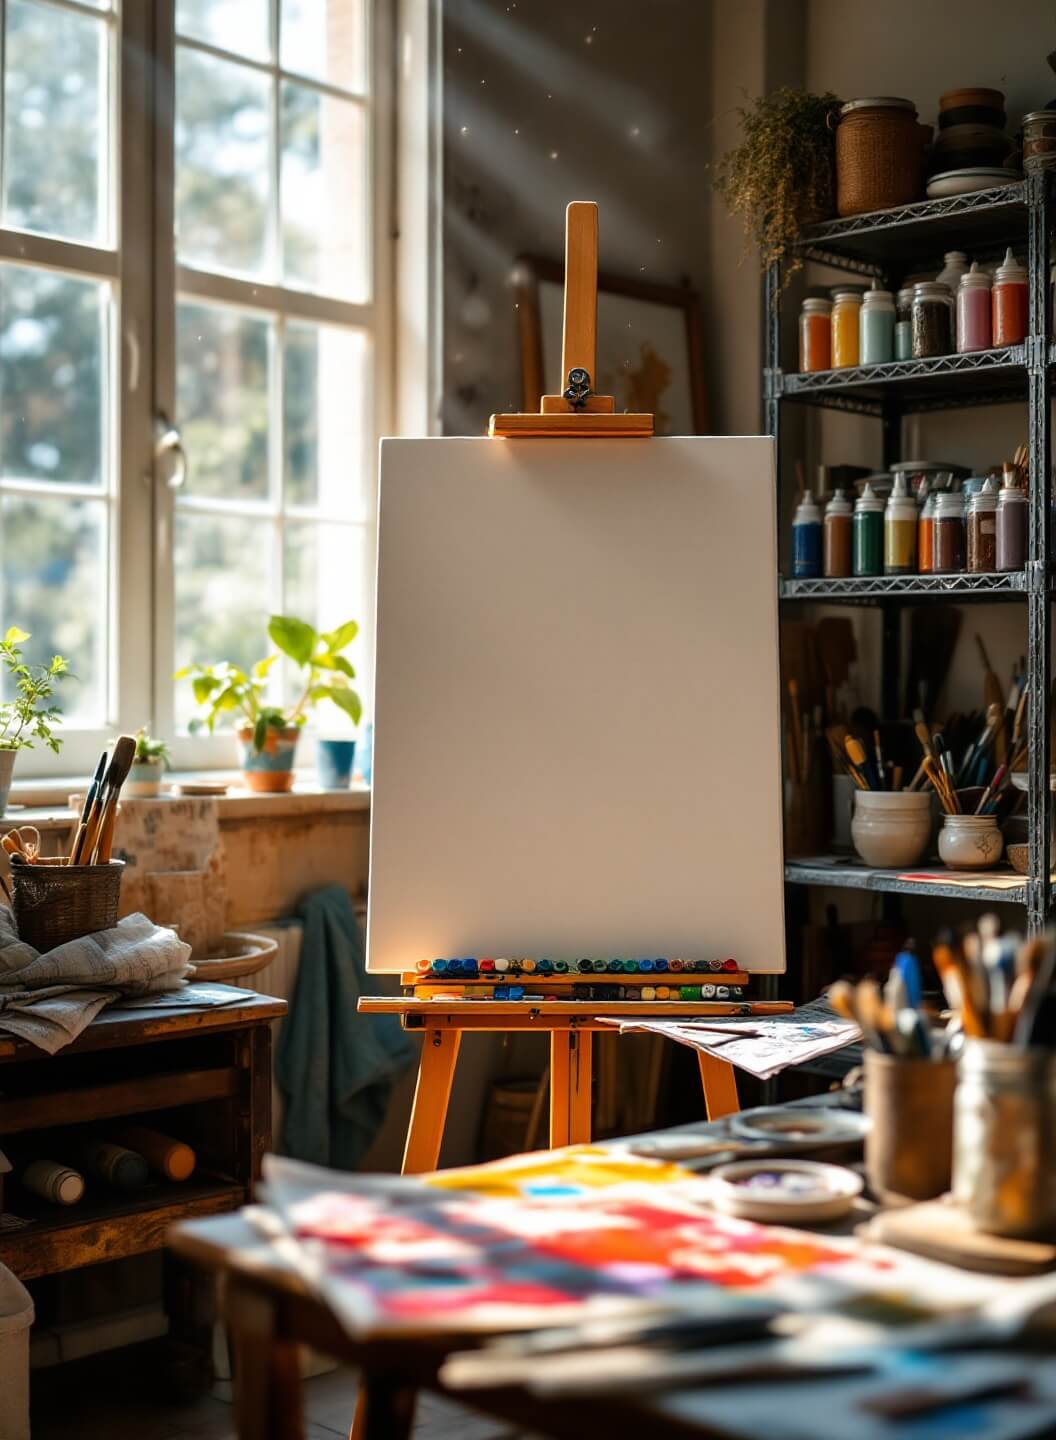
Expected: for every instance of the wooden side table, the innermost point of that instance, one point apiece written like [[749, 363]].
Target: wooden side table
[[202, 1075], [570, 1025]]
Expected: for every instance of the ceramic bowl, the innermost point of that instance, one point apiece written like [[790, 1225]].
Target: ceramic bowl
[[1018, 857], [891, 829], [783, 1191]]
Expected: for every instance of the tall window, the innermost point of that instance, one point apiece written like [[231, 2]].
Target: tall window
[[58, 304], [257, 339]]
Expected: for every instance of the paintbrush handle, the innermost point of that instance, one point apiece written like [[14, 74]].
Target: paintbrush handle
[[89, 834], [106, 835]]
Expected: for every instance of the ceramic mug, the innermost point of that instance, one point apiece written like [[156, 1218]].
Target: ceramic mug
[[334, 763]]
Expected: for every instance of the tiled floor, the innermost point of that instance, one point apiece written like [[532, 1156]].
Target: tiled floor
[[114, 1395]]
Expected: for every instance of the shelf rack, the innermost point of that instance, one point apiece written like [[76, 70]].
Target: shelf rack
[[886, 244]]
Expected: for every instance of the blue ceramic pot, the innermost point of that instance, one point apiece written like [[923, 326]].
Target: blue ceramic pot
[[334, 763], [271, 768]]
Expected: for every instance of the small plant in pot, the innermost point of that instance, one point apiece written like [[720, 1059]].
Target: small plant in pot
[[29, 716], [150, 763], [267, 735]]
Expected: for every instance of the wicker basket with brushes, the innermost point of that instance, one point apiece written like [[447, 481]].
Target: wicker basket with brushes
[[55, 902]]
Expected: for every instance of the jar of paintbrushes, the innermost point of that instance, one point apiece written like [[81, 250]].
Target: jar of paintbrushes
[[1004, 1172], [56, 899], [970, 837], [910, 1077]]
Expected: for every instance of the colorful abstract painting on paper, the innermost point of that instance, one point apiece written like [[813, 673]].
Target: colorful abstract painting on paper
[[533, 1240]]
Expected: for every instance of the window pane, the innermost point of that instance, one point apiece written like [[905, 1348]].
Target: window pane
[[223, 358], [53, 584], [326, 420], [223, 585], [222, 167], [240, 26], [325, 206], [56, 123], [327, 581], [53, 346], [325, 39]]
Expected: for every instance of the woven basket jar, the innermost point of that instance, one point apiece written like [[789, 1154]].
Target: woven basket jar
[[879, 156], [55, 902]]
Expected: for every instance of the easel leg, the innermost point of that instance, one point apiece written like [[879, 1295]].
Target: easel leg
[[720, 1086], [570, 1087], [581, 1056], [436, 1071], [560, 1084]]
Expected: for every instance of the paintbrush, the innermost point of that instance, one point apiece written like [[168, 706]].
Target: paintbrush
[[100, 828], [1034, 1020], [87, 808], [879, 758], [859, 764]]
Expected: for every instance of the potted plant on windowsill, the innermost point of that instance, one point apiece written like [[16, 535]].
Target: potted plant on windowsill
[[29, 716], [267, 735], [149, 765]]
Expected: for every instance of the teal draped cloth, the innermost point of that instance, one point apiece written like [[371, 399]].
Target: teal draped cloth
[[335, 1067]]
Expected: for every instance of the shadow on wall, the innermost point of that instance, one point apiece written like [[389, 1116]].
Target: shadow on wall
[[544, 104]]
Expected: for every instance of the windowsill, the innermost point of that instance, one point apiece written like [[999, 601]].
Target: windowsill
[[45, 804]]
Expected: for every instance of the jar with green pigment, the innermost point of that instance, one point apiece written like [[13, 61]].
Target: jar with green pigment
[[868, 533]]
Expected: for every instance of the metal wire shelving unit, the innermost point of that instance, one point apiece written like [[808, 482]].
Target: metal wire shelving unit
[[887, 244]]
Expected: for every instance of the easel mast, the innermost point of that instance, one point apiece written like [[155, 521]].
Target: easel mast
[[577, 410]]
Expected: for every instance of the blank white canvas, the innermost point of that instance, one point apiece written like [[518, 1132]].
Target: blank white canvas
[[577, 734]]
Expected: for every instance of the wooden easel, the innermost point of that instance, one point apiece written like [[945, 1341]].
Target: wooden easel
[[571, 1026], [576, 412]]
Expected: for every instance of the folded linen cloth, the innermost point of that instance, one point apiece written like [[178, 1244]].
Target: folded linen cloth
[[49, 998]]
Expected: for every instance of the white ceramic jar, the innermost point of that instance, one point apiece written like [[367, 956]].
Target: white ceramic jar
[[970, 842], [891, 828]]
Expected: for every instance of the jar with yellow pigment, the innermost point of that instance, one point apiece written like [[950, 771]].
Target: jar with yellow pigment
[[846, 313]]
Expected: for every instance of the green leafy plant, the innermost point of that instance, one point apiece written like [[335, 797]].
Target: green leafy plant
[[150, 751], [781, 175], [29, 717], [226, 690]]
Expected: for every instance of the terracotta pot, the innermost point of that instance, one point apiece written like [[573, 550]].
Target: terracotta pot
[[269, 770]]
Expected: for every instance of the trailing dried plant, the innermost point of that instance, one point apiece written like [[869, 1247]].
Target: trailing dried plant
[[782, 174]]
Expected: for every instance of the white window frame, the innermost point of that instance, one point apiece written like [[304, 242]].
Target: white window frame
[[128, 693], [141, 266]]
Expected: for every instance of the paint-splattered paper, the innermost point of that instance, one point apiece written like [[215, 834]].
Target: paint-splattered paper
[[546, 1239]]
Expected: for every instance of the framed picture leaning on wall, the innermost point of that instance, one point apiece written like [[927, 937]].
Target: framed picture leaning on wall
[[650, 344]]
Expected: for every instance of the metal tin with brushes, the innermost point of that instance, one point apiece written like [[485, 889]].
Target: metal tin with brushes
[[1004, 1165]]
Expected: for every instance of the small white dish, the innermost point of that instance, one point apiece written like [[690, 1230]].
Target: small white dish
[[808, 1126], [780, 1191], [971, 178]]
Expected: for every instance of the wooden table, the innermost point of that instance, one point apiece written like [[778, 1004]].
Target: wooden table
[[270, 1312], [571, 1025], [201, 1074]]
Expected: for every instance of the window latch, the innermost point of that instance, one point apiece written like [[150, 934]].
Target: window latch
[[168, 447]]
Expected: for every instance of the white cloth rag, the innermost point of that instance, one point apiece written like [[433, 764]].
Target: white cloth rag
[[48, 999]]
